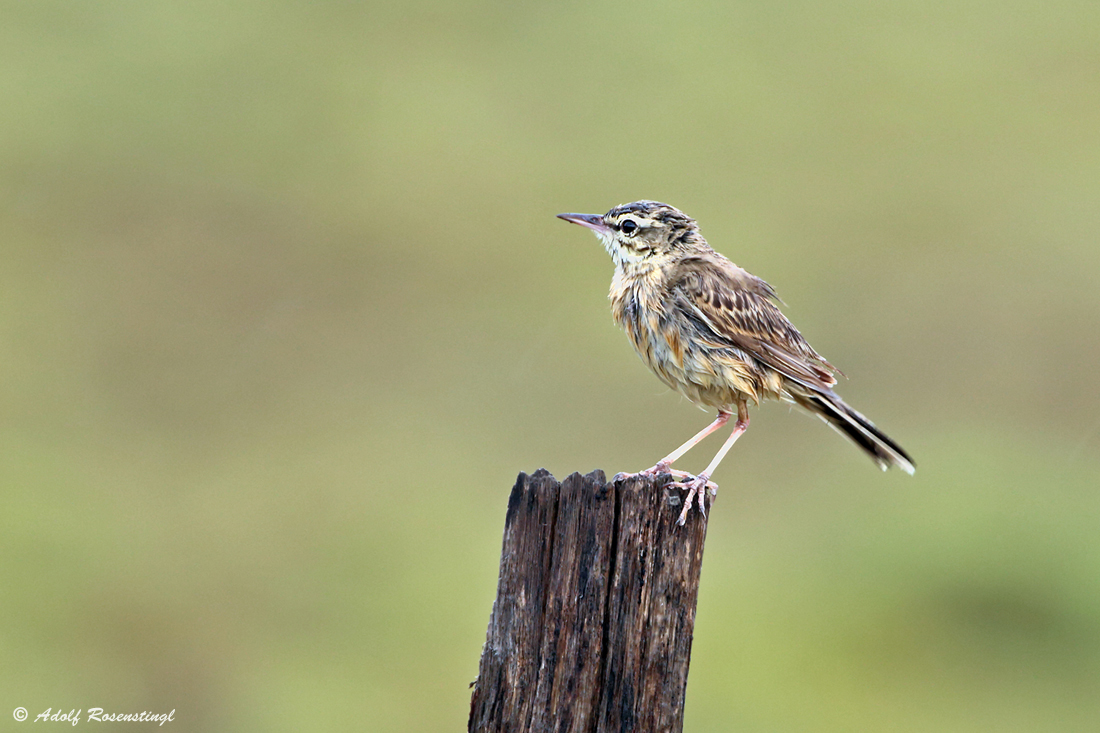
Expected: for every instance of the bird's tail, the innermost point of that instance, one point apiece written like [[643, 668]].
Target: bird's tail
[[861, 431]]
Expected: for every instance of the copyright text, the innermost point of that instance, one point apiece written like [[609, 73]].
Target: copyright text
[[72, 717]]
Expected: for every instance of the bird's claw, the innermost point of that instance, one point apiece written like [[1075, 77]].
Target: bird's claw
[[660, 468], [697, 487]]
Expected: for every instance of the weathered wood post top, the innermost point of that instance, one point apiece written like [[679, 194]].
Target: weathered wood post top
[[592, 625]]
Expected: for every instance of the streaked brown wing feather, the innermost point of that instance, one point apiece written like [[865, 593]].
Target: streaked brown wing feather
[[732, 308]]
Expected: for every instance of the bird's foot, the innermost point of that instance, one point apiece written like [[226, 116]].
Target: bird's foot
[[697, 488], [661, 467]]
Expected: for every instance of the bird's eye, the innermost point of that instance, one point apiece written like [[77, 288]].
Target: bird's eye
[[628, 226]]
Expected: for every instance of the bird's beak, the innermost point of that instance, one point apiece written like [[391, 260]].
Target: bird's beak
[[592, 221]]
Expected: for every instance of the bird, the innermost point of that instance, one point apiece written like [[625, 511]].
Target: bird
[[713, 332]]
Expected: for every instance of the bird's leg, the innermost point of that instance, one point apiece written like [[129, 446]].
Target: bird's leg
[[697, 487], [665, 464]]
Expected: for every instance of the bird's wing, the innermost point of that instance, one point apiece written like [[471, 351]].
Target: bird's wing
[[731, 308]]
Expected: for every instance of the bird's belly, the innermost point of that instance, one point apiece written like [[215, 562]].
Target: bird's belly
[[708, 377]]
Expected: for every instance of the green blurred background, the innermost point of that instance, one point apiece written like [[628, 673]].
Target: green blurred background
[[284, 309]]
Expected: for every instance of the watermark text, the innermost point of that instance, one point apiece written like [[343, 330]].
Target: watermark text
[[99, 715]]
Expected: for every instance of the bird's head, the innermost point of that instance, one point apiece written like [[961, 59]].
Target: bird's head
[[641, 232]]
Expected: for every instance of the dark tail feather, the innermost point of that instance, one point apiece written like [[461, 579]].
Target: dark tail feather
[[830, 408]]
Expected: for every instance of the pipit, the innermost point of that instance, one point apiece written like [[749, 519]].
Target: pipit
[[714, 333]]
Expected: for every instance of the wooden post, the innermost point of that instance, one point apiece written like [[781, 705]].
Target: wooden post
[[592, 623]]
